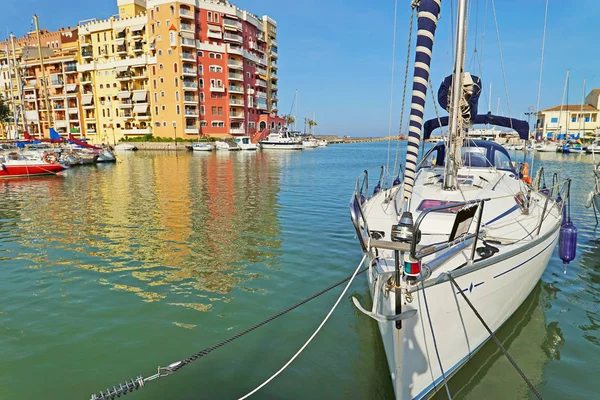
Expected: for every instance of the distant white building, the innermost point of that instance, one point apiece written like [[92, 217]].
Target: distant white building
[[573, 119]]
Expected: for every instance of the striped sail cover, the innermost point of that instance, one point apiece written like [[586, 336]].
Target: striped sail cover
[[429, 11]]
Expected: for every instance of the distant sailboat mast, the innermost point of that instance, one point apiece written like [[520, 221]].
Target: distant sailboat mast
[[44, 83], [19, 84], [561, 107], [12, 94]]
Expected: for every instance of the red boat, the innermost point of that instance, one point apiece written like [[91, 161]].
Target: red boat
[[13, 165]]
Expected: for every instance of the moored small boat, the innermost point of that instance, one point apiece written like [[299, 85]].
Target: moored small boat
[[15, 165], [203, 146]]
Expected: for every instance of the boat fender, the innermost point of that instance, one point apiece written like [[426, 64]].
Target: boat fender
[[362, 198], [588, 201], [50, 158], [567, 242], [377, 188], [524, 173]]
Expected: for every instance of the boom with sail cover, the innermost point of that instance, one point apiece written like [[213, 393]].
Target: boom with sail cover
[[522, 127]]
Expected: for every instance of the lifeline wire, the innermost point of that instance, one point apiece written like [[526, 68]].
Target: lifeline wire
[[313, 335], [139, 382], [513, 362]]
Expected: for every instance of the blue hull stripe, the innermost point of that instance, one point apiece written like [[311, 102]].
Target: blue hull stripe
[[524, 262]]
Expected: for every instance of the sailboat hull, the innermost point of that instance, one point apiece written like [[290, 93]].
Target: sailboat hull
[[496, 290], [26, 169]]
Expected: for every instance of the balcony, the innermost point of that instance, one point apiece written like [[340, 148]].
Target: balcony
[[190, 85], [234, 76], [273, 42], [186, 13], [237, 131], [123, 76], [86, 54], [56, 83], [188, 57], [231, 63], [139, 47], [232, 37], [274, 52], [215, 34], [261, 106], [236, 102], [217, 88], [126, 104], [85, 44], [261, 95], [191, 130], [185, 26], [121, 50], [136, 131], [138, 33], [235, 50], [190, 99], [274, 87], [185, 42], [236, 89], [190, 112], [232, 24], [73, 110], [236, 115], [261, 83], [261, 71], [189, 71]]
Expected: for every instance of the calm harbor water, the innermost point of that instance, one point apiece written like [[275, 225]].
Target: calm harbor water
[[111, 270]]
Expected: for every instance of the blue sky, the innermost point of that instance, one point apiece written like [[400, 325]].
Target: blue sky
[[337, 53]]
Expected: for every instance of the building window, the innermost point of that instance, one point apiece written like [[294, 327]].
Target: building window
[[154, 70], [155, 97], [574, 118], [177, 96], [160, 66], [178, 109], [211, 55], [201, 83], [152, 28], [202, 110], [218, 56], [175, 67], [216, 17], [218, 124], [159, 52], [101, 86], [554, 120], [202, 97], [202, 123], [172, 10], [176, 82], [162, 80], [209, 17], [162, 93], [164, 123], [200, 53], [214, 110], [156, 111], [169, 51], [200, 69], [154, 84], [220, 110], [164, 107], [168, 22]]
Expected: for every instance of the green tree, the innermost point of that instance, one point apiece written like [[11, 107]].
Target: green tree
[[311, 124], [5, 116]]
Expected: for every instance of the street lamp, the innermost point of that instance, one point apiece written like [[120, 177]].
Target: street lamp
[[175, 132]]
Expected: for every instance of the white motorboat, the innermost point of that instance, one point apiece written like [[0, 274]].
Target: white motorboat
[[203, 146], [281, 140], [547, 147], [245, 143], [323, 143], [310, 143], [462, 224], [594, 147], [106, 155], [125, 147], [227, 145]]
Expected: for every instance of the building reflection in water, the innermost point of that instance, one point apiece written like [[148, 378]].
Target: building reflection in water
[[159, 225]]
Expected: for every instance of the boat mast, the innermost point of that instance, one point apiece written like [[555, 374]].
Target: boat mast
[[12, 94], [490, 99], [582, 133], [296, 116], [561, 106], [455, 131], [19, 86], [44, 83]]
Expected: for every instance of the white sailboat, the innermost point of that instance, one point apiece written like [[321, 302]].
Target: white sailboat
[[462, 222]]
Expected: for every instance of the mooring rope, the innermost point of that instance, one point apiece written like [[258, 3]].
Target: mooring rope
[[139, 382], [512, 361]]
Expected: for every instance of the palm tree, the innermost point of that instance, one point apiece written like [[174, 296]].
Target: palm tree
[[311, 124], [289, 119]]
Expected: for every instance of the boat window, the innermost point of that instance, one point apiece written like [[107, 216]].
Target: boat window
[[502, 161], [433, 158], [475, 157]]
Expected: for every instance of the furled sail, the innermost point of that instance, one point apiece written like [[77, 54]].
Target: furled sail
[[82, 143], [522, 127], [428, 14], [471, 92]]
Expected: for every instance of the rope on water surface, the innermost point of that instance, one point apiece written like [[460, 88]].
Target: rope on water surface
[[139, 382]]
